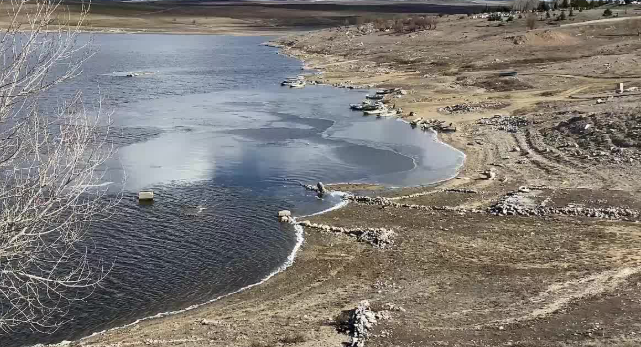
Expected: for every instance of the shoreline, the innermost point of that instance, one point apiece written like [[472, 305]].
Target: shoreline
[[300, 239], [300, 230], [471, 264]]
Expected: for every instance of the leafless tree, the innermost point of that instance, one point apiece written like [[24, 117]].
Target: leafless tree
[[525, 5], [51, 161]]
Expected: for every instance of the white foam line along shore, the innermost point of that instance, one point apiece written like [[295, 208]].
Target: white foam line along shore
[[289, 262], [335, 207]]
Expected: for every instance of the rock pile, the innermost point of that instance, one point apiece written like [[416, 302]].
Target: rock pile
[[377, 237], [318, 188], [613, 138], [489, 174], [510, 205], [510, 124], [285, 216], [461, 190], [381, 201], [467, 108], [348, 85], [433, 124], [360, 321], [366, 29]]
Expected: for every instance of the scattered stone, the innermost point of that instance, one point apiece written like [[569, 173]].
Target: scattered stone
[[433, 124], [489, 174], [205, 321], [601, 138], [415, 122], [391, 307], [461, 190], [319, 188], [377, 237], [389, 202], [511, 124], [285, 216], [359, 323], [518, 204], [285, 219], [477, 107], [284, 213]]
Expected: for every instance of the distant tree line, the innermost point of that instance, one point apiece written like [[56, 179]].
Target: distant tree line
[[400, 25], [543, 6]]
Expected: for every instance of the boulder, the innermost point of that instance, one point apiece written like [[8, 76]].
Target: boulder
[[285, 219], [284, 213], [489, 174], [146, 196], [321, 189]]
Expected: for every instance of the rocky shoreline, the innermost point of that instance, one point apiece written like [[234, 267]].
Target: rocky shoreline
[[527, 247]]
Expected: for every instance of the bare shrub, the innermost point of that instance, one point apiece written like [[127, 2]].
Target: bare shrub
[[50, 162], [431, 22], [399, 28], [530, 21], [411, 25], [380, 24]]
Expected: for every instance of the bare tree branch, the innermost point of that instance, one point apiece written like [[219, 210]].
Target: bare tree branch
[[50, 169]]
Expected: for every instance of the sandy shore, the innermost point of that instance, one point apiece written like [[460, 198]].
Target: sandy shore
[[475, 261]]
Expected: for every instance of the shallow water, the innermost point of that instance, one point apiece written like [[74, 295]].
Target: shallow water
[[210, 127]]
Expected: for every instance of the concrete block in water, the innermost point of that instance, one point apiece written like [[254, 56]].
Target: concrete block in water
[[146, 196], [284, 213]]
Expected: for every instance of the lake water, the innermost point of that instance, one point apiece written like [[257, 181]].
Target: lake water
[[210, 126]]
